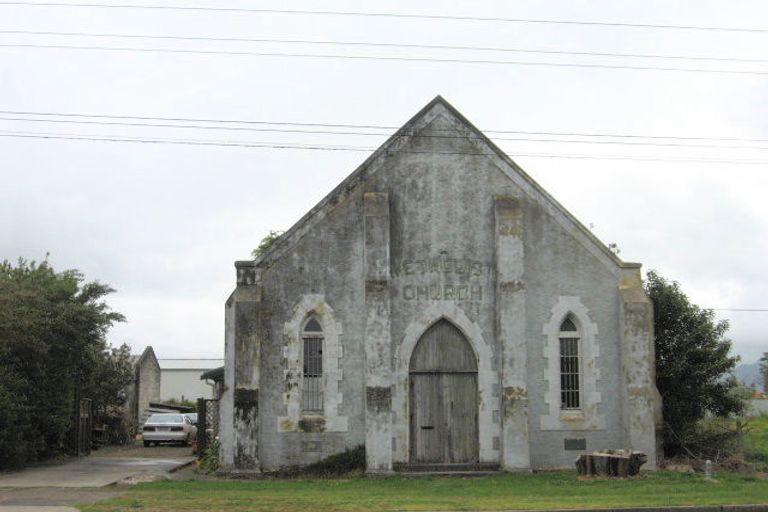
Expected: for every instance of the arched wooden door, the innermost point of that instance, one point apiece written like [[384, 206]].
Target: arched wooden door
[[443, 397]]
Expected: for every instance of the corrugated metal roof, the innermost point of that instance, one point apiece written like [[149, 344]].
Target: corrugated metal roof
[[189, 364]]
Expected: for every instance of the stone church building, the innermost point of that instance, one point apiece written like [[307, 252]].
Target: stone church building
[[438, 307]]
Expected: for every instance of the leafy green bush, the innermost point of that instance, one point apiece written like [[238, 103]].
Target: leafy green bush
[[15, 423], [266, 242], [53, 327], [692, 357]]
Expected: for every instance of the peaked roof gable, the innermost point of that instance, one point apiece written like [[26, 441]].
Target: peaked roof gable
[[147, 356], [439, 107]]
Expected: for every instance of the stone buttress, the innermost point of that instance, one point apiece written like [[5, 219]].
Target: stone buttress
[[510, 314], [243, 312], [641, 409], [378, 343]]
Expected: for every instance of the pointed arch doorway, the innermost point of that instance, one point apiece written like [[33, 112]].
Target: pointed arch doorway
[[443, 397]]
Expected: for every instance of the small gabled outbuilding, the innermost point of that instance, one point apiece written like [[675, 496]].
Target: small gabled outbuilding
[[143, 389], [439, 307]]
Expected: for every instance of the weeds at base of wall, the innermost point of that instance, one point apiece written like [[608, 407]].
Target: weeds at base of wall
[[349, 462], [209, 463]]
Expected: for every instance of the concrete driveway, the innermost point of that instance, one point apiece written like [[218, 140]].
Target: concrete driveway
[[85, 480], [90, 472]]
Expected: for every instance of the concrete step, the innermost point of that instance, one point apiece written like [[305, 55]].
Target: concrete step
[[471, 468], [457, 474]]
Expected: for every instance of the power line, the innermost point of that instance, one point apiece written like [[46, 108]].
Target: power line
[[100, 138], [388, 58], [396, 15], [201, 127], [321, 147], [378, 134], [748, 310], [198, 120], [383, 45], [364, 126]]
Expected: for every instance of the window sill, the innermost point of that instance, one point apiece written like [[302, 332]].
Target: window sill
[[309, 423], [572, 415]]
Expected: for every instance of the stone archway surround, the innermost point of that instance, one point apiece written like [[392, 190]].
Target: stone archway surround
[[488, 378], [312, 304]]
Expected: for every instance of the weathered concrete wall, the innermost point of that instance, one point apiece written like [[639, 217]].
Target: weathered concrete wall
[[227, 399], [325, 266], [443, 220], [147, 387], [565, 270], [442, 257], [439, 226]]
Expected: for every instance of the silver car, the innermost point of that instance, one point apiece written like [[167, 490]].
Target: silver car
[[168, 428]]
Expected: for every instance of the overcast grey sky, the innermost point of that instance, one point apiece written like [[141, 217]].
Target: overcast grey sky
[[163, 223]]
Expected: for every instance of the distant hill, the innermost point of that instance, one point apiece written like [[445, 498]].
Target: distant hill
[[749, 373]]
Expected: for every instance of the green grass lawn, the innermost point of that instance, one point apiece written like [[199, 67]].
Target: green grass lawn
[[559, 489], [756, 442]]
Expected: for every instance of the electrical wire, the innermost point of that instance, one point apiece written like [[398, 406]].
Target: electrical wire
[[320, 147], [744, 310], [365, 126], [393, 15], [388, 58], [379, 134], [382, 45]]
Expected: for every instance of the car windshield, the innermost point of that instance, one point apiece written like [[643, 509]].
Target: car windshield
[[165, 418], [192, 417]]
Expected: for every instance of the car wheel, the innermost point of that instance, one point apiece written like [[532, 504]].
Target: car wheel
[[146, 444]]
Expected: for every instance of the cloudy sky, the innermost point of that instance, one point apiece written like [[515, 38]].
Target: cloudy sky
[[680, 185]]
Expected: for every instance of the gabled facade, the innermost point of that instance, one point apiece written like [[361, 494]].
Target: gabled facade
[[143, 389], [438, 307]]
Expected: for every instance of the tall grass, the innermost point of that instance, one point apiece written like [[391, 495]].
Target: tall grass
[[756, 442]]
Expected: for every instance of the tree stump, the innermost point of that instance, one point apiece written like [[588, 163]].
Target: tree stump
[[636, 460]]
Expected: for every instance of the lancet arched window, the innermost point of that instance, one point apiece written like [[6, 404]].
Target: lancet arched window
[[312, 374], [570, 365]]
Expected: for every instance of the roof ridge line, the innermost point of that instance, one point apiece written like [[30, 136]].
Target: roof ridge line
[[401, 135], [275, 249]]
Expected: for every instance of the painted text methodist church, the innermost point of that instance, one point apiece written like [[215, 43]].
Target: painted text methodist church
[[441, 308]]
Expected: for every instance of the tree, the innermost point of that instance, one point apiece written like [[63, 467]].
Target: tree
[[53, 330], [112, 372], [692, 362], [266, 243]]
